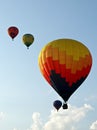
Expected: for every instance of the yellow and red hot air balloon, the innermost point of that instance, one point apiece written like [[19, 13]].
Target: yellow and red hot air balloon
[[13, 31], [28, 39], [65, 64]]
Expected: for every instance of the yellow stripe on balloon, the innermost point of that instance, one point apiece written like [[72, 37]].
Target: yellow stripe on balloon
[[55, 53]]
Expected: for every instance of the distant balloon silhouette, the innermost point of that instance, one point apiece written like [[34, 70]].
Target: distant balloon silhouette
[[13, 31], [57, 104], [65, 64], [28, 39]]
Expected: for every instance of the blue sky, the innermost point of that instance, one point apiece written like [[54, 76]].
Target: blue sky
[[25, 97]]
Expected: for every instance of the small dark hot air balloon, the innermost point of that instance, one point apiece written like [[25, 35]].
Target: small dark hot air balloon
[[28, 39], [13, 31], [57, 104], [65, 64]]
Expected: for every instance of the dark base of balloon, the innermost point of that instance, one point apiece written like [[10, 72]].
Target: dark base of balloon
[[65, 106]]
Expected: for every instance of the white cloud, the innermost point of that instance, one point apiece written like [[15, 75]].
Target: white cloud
[[62, 119], [37, 124], [16, 129], [72, 116], [2, 115], [94, 126]]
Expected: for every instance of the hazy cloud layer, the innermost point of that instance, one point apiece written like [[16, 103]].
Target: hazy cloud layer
[[94, 126], [57, 121], [2, 115]]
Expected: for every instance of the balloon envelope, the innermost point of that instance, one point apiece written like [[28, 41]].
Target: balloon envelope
[[65, 64], [28, 39], [57, 104], [13, 31]]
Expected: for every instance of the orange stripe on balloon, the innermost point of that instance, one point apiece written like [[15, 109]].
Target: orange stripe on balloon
[[62, 57], [68, 62], [50, 63], [74, 67], [44, 70]]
